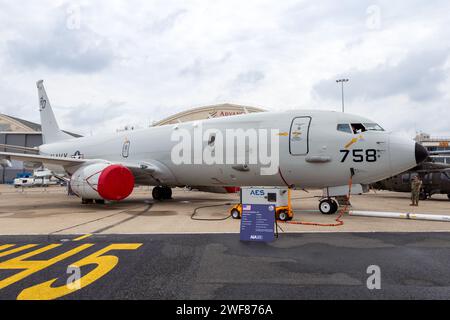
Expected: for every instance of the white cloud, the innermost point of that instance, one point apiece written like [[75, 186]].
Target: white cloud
[[150, 59]]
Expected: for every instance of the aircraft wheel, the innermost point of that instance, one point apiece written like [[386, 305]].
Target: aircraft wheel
[[283, 216], [423, 196], [100, 201], [87, 201], [448, 196], [335, 206], [158, 193], [235, 214], [167, 193], [328, 206]]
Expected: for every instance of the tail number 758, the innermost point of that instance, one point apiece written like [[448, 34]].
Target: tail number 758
[[360, 155]]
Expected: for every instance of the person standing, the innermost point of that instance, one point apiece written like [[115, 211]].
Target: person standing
[[416, 187]]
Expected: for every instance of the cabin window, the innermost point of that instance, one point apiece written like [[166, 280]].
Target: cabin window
[[344, 128]]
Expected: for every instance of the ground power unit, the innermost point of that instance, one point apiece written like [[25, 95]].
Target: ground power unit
[[277, 196]]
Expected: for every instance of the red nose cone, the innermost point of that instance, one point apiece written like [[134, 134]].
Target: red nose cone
[[115, 183]]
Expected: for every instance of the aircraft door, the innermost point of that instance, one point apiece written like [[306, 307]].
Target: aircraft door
[[299, 136]]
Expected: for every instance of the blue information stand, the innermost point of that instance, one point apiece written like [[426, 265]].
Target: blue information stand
[[257, 223]]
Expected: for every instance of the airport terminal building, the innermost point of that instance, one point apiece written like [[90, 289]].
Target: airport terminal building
[[436, 144]]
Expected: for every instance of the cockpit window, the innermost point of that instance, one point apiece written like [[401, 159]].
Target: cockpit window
[[345, 127], [373, 127], [358, 128]]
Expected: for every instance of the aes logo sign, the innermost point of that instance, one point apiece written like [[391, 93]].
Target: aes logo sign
[[257, 193]]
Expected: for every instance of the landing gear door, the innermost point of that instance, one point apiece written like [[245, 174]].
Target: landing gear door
[[299, 136]]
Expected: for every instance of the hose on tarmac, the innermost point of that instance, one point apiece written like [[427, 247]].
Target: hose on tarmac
[[194, 214], [339, 221]]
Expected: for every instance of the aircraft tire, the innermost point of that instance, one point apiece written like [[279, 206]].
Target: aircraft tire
[[158, 193], [167, 193], [328, 206], [87, 201], [448, 196], [335, 206], [423, 196]]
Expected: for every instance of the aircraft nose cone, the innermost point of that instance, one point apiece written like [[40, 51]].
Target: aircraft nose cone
[[421, 153]]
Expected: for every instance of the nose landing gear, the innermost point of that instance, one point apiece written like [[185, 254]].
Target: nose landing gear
[[162, 193], [328, 206]]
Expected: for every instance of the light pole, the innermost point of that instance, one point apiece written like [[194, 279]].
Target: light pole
[[342, 81]]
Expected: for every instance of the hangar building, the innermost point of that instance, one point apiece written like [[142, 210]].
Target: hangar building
[[18, 132], [214, 111]]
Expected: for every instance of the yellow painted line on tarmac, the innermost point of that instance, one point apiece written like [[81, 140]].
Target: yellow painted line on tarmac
[[6, 246], [82, 237], [104, 264], [15, 250], [104, 260], [29, 267]]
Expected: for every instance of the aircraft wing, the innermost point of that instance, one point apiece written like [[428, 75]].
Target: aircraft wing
[[65, 162], [27, 149], [143, 171]]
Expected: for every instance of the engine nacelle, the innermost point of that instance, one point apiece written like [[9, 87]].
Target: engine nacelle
[[102, 181]]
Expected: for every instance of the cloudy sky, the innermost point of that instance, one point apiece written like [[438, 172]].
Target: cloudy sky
[[111, 63]]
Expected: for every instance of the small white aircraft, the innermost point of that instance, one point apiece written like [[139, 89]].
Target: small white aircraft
[[312, 149]]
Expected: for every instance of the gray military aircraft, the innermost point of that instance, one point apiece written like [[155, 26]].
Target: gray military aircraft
[[308, 149], [435, 180]]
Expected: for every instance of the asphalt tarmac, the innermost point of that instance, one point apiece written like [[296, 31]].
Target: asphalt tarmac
[[42, 211], [219, 266]]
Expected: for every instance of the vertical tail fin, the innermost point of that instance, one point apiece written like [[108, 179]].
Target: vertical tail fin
[[50, 129]]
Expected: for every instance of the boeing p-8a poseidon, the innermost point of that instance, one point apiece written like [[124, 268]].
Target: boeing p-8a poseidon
[[301, 149]]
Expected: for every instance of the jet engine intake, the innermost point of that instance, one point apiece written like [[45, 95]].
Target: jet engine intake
[[102, 181]]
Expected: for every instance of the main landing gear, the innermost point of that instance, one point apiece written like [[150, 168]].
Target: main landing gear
[[162, 193], [328, 206], [91, 201]]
